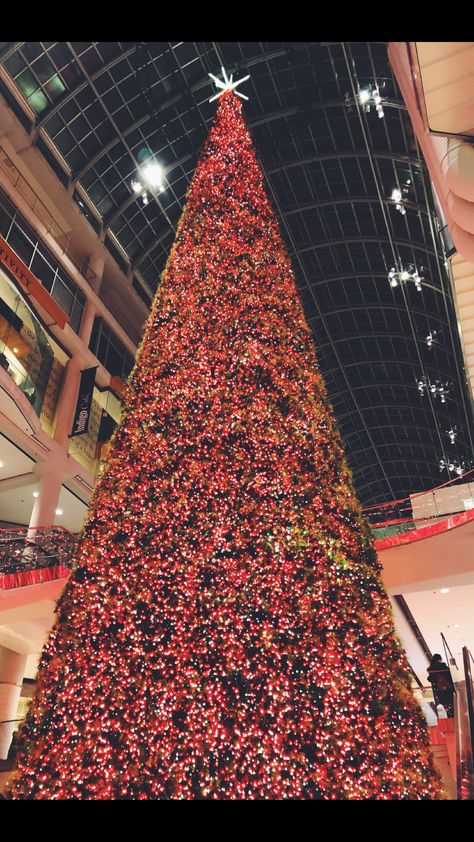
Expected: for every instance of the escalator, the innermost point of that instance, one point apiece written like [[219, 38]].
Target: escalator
[[452, 738]]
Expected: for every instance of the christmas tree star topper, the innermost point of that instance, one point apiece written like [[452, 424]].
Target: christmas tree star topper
[[228, 84]]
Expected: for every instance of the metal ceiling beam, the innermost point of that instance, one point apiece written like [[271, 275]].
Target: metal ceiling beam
[[343, 276], [377, 333], [400, 476], [342, 308], [402, 460], [389, 240], [383, 361], [315, 106], [373, 407], [351, 200], [417, 446], [388, 426], [376, 385], [334, 156]]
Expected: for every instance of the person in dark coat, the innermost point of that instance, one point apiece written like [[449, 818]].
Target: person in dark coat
[[439, 676]]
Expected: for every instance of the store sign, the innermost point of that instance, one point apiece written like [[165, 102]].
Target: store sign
[[31, 284], [84, 402]]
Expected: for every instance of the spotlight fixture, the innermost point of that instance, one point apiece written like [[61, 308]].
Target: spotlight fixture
[[153, 175], [452, 433], [411, 274], [36, 494], [452, 466], [431, 338], [370, 97], [151, 180], [377, 102], [58, 511], [398, 196], [437, 389]]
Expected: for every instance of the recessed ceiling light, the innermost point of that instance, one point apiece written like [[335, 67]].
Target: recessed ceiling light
[[36, 494], [1, 464], [456, 626], [58, 511], [15, 350], [444, 590]]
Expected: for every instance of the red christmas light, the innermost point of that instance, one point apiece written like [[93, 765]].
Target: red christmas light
[[225, 633]]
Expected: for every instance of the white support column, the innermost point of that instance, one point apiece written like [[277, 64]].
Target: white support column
[[46, 503], [96, 263], [68, 400], [12, 669]]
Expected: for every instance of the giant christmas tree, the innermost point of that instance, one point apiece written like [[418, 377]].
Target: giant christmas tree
[[225, 633]]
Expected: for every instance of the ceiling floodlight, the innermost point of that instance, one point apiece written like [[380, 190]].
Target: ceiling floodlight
[[153, 174]]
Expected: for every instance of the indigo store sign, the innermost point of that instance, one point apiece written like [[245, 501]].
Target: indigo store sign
[[84, 401]]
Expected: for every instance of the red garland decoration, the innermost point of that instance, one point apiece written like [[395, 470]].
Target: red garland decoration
[[225, 633]]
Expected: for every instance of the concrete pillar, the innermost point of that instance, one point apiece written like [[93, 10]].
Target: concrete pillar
[[46, 503], [67, 401], [87, 321], [12, 670], [96, 263]]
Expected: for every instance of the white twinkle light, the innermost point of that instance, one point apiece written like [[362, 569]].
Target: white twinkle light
[[364, 96], [136, 186], [228, 84]]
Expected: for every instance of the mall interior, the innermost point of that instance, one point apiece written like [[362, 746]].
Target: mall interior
[[368, 157]]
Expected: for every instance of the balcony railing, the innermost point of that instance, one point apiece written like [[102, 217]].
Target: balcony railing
[[33, 556]]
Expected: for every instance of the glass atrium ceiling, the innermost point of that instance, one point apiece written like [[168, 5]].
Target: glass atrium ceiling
[[331, 166]]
